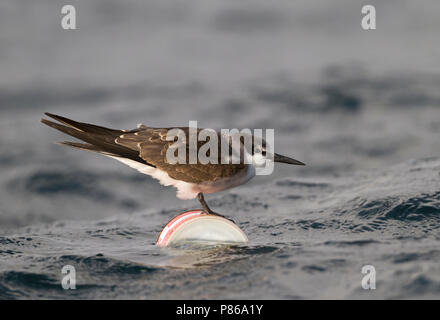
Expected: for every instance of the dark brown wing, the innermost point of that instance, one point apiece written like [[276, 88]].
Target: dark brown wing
[[99, 139], [152, 146]]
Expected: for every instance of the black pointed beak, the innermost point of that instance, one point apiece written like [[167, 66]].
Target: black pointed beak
[[284, 159]]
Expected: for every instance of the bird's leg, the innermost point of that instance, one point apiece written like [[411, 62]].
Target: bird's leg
[[208, 210]]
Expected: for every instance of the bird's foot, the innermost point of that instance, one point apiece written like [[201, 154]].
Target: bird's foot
[[217, 214], [208, 210]]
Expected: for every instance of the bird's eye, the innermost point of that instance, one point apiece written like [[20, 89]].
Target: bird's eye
[[260, 150]]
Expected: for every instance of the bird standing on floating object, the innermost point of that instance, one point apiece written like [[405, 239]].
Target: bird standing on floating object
[[145, 149]]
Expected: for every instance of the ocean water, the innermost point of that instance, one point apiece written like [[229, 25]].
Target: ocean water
[[361, 109]]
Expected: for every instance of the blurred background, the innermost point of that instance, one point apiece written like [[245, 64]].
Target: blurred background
[[339, 97], [350, 103]]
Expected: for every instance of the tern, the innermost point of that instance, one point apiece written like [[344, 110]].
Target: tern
[[145, 149]]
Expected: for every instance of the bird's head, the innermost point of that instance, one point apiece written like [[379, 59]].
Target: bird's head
[[255, 150], [259, 152]]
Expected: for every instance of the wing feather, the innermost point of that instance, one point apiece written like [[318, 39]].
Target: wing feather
[[99, 139], [152, 146]]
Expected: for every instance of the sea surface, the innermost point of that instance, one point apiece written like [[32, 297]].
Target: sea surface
[[361, 109]]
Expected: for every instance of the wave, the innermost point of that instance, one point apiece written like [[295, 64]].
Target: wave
[[417, 208]]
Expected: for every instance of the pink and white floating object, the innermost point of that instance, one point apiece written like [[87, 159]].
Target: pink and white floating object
[[195, 225]]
